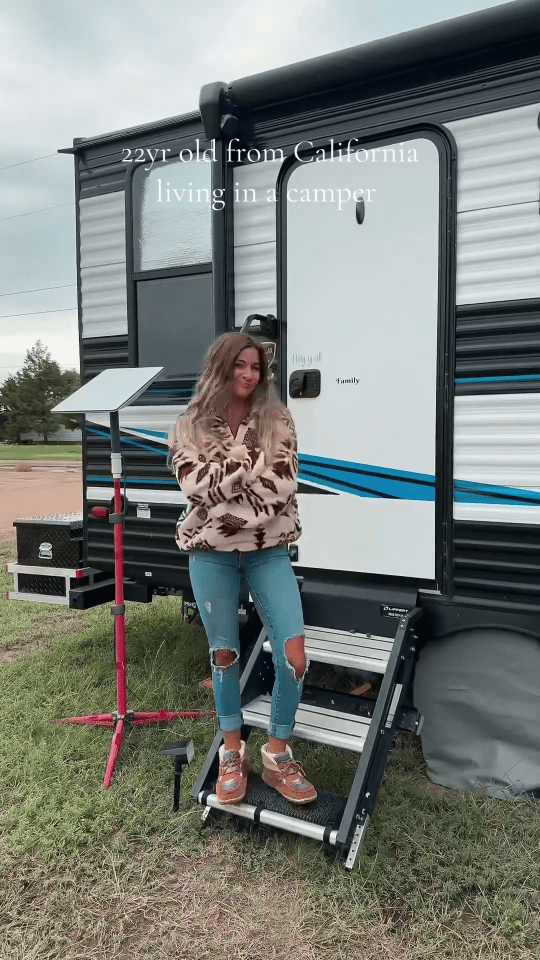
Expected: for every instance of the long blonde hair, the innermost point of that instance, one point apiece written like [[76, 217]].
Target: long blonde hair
[[213, 396]]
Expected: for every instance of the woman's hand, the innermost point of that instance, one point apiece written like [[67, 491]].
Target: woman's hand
[[224, 477], [240, 452], [259, 466]]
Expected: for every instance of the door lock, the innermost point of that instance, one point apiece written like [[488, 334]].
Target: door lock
[[305, 383]]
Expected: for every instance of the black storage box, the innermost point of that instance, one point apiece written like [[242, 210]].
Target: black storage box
[[55, 541], [49, 559]]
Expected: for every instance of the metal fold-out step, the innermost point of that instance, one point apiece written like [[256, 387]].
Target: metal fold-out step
[[262, 804], [330, 727], [362, 651], [331, 719], [46, 584]]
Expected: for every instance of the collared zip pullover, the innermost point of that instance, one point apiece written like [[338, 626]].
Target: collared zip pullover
[[237, 501]]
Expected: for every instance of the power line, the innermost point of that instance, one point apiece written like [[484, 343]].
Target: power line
[[18, 293], [22, 162], [34, 313], [41, 210]]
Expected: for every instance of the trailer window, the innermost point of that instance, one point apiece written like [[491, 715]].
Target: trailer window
[[172, 266], [174, 319], [171, 215]]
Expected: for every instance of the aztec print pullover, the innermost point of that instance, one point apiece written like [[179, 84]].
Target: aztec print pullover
[[238, 502]]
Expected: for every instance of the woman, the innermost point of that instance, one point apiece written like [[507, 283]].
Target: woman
[[235, 457]]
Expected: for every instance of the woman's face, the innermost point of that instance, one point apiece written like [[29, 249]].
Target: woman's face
[[246, 373]]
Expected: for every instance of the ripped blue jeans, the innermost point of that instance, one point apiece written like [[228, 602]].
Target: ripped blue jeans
[[215, 578]]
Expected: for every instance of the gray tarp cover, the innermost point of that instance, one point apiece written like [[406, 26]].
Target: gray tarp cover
[[479, 693]]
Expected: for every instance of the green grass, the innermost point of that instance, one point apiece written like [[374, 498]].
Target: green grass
[[114, 874], [40, 451]]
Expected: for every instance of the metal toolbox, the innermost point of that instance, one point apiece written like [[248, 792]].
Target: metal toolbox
[[49, 559], [54, 541]]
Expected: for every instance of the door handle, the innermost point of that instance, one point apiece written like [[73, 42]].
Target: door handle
[[305, 383], [268, 325]]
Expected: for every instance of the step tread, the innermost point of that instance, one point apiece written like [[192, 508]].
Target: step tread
[[50, 571], [358, 650], [330, 727], [326, 810], [40, 597]]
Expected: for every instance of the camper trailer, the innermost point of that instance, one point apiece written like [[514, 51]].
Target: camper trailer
[[373, 216]]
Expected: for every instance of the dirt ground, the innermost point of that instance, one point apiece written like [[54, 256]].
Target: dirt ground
[[37, 489]]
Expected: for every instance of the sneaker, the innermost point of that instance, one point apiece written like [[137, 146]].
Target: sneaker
[[232, 781], [287, 776]]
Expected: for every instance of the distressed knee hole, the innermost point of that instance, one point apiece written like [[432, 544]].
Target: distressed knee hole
[[224, 657], [296, 657]]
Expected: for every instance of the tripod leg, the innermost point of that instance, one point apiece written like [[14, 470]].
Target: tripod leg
[[115, 747]]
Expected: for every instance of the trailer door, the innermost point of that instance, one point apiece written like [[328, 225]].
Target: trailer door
[[361, 303]]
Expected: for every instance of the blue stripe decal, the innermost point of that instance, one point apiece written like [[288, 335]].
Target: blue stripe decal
[[133, 443], [366, 480], [185, 390], [467, 491], [361, 480], [525, 376], [151, 433]]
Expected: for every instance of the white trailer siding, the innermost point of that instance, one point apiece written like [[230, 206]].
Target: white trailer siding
[[103, 265], [498, 260]]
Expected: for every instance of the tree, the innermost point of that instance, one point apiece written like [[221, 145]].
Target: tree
[[70, 382], [16, 421], [28, 397]]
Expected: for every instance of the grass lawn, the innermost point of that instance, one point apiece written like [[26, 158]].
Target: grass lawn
[[40, 451], [115, 875]]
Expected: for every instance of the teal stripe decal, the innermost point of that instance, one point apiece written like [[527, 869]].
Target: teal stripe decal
[[184, 391], [133, 443], [361, 480], [467, 491], [366, 480], [526, 376]]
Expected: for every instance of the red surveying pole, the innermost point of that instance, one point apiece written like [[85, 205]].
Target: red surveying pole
[[121, 717], [119, 608]]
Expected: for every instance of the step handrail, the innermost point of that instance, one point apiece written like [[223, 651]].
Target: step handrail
[[378, 733]]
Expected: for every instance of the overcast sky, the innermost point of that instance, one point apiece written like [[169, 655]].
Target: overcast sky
[[73, 69]]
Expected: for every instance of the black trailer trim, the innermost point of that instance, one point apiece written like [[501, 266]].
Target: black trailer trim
[[464, 40], [502, 87], [96, 354], [173, 272], [222, 246], [499, 560], [103, 139], [99, 353], [498, 347], [84, 452]]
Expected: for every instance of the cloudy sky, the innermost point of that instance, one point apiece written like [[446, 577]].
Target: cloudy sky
[[73, 69]]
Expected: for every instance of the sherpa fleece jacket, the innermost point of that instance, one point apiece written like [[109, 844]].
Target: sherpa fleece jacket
[[237, 500]]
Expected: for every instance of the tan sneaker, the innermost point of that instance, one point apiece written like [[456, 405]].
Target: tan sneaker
[[232, 781], [287, 776]]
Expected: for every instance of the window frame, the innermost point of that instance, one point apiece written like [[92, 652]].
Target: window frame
[[134, 277]]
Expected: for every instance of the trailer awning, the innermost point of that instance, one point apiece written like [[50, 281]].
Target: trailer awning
[[474, 34]]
